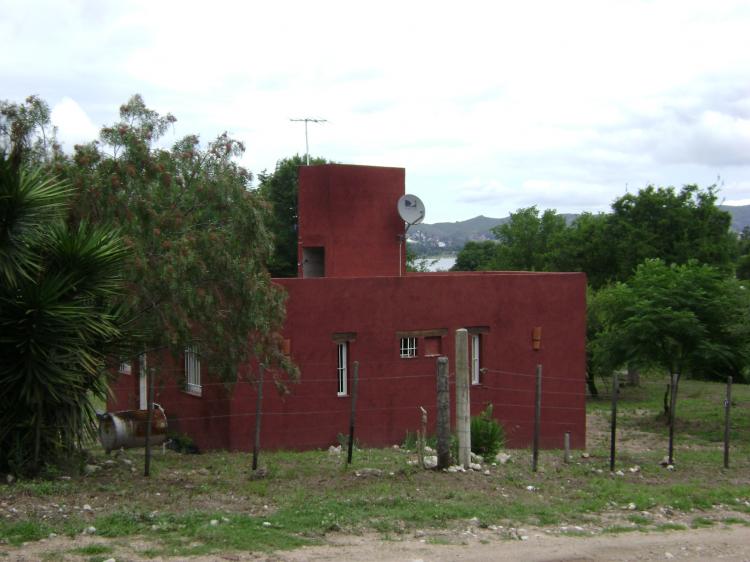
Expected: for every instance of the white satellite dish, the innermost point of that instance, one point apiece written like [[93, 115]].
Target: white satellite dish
[[411, 209]]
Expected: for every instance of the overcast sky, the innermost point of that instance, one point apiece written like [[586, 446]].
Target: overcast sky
[[489, 106]]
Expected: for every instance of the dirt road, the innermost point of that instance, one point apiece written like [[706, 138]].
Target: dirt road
[[727, 544]]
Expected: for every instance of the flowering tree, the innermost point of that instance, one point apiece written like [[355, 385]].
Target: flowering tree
[[196, 235]]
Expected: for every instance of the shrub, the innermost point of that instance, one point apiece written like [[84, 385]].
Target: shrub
[[487, 435], [182, 444]]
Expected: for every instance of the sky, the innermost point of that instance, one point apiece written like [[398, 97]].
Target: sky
[[489, 106]]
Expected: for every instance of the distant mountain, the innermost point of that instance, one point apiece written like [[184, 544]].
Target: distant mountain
[[740, 215], [450, 237]]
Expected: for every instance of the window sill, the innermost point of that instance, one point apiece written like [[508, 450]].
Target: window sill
[[338, 395], [194, 390], [409, 357]]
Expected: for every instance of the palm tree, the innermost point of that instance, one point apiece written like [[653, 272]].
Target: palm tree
[[60, 316]]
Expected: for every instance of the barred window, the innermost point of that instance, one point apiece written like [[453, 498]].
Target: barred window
[[408, 347], [125, 368], [192, 371]]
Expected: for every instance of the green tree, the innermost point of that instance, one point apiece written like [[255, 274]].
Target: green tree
[[743, 251], [280, 189], [585, 246], [673, 226], [687, 319], [476, 256], [527, 241], [60, 315], [197, 240], [25, 131]]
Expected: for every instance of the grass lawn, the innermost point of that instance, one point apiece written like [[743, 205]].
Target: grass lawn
[[199, 504]]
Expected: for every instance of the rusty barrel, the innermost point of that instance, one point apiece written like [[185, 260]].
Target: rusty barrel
[[127, 428]]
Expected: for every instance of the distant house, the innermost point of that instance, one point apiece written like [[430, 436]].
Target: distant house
[[354, 301]]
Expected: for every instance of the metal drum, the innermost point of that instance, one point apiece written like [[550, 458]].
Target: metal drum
[[127, 429]]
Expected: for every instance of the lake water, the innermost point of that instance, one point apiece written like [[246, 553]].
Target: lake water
[[443, 264]]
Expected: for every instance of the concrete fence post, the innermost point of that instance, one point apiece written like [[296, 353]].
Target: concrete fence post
[[463, 400]]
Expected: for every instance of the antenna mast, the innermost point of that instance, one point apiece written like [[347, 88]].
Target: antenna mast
[[307, 147]]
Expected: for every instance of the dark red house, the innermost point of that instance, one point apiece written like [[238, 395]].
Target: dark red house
[[354, 301]]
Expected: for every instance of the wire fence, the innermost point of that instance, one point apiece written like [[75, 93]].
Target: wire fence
[[558, 410]]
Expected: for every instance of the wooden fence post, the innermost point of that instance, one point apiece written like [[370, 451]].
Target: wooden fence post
[[537, 418], [566, 444], [613, 422], [422, 438], [443, 415], [149, 420], [355, 383], [727, 408], [258, 414], [672, 410]]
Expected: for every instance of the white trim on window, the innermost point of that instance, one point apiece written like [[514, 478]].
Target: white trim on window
[[342, 369], [475, 369], [408, 347], [125, 368], [143, 382], [193, 371]]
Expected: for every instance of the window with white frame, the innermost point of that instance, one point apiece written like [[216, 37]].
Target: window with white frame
[[342, 370], [125, 368], [475, 368], [192, 371], [409, 347]]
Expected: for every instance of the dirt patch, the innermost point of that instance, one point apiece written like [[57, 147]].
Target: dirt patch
[[629, 440]]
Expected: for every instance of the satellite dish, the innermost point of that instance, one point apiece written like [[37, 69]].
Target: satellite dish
[[411, 209]]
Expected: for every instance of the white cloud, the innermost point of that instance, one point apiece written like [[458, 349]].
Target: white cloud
[[74, 126], [587, 96]]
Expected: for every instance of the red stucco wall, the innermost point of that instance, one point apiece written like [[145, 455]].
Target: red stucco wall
[[204, 418], [392, 389]]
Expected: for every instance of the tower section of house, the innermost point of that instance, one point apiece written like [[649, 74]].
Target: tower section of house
[[348, 225]]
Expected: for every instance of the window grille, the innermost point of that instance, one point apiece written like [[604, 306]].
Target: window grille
[[342, 370], [408, 347], [192, 371], [475, 369]]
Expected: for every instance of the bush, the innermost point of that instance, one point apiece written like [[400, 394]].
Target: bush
[[487, 435], [182, 444]]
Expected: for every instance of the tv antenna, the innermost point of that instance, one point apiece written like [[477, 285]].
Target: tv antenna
[[306, 121]]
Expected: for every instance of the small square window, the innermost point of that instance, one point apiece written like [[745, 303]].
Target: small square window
[[408, 347], [126, 368]]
